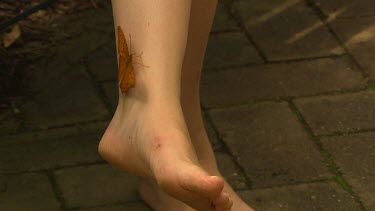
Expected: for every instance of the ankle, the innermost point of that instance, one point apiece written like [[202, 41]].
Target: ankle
[[153, 84], [154, 97]]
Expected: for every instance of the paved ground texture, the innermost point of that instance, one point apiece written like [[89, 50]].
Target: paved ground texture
[[288, 93]]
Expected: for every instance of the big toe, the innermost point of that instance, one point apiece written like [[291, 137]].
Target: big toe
[[223, 202], [192, 185], [202, 184]]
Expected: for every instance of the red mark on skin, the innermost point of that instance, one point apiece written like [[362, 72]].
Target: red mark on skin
[[212, 205], [158, 146], [157, 142]]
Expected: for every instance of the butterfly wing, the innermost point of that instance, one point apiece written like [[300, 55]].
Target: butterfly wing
[[129, 76], [121, 43], [126, 70]]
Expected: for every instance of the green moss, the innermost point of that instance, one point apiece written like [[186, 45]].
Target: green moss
[[340, 180]]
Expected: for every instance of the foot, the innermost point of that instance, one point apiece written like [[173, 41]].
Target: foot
[[159, 200], [150, 139], [238, 203]]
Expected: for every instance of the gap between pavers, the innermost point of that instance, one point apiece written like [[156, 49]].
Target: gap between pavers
[[355, 157]]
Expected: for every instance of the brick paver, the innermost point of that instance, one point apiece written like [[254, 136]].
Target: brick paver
[[357, 34], [95, 185], [28, 192], [76, 36], [131, 206], [111, 91], [230, 49], [346, 9], [82, 45], [223, 21], [279, 80], [8, 122], [230, 171], [288, 110], [49, 153], [286, 29], [273, 148], [211, 133], [340, 113], [355, 156], [69, 100], [102, 62], [97, 20], [55, 134], [309, 197]]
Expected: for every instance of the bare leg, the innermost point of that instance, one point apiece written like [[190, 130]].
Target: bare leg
[[201, 19], [202, 14], [148, 135]]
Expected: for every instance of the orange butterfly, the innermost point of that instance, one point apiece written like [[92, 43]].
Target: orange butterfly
[[126, 74]]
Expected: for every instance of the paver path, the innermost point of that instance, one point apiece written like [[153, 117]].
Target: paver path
[[288, 93]]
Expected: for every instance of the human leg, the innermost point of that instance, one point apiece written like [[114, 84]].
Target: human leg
[[200, 24], [201, 18], [148, 135]]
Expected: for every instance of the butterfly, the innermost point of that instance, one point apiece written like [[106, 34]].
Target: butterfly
[[126, 74]]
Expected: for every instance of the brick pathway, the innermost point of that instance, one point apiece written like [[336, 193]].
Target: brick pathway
[[288, 93]]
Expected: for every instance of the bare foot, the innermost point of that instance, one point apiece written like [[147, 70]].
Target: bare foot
[[152, 194], [238, 203], [150, 139], [158, 199]]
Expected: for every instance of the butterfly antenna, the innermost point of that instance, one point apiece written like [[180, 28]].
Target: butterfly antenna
[[138, 55], [141, 64], [130, 41]]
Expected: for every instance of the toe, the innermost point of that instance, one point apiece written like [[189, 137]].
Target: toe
[[203, 184], [223, 202], [191, 185]]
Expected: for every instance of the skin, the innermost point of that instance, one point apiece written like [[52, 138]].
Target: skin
[[201, 19], [157, 131]]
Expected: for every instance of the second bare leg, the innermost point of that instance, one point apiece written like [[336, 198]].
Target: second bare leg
[[201, 18], [148, 135]]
